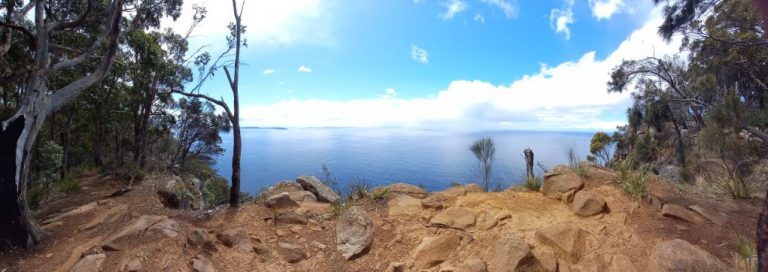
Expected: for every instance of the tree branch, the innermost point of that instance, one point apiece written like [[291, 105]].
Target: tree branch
[[80, 21], [218, 102]]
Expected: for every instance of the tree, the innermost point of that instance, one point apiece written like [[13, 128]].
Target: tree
[[234, 42], [54, 21], [485, 152], [197, 130], [600, 147]]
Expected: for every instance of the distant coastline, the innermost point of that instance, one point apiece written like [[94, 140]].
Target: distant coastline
[[276, 128]]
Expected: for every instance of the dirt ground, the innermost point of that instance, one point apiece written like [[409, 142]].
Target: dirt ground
[[630, 228]]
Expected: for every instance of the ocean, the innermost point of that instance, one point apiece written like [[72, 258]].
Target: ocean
[[433, 159]]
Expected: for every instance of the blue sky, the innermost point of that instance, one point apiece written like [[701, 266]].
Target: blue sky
[[447, 64]]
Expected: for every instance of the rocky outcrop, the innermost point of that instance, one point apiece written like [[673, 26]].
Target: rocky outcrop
[[433, 250], [321, 191], [290, 199], [489, 218], [661, 192], [282, 186], [455, 217], [679, 255], [680, 212], [567, 241], [290, 253], [144, 228], [559, 181], [444, 199], [587, 203], [90, 263], [403, 205], [354, 232], [511, 254]]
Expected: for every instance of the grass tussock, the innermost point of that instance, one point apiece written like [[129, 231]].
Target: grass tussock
[[735, 187], [633, 182], [532, 183], [358, 189], [744, 253]]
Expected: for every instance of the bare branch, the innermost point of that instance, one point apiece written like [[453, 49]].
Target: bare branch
[[218, 102]]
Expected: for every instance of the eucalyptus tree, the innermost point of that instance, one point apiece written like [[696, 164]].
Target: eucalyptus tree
[[103, 24]]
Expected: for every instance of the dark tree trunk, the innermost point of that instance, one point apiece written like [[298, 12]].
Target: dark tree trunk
[[762, 238], [234, 193], [528, 163], [65, 144]]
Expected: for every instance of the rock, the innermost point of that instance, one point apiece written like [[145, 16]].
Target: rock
[[289, 199], [547, 260], [680, 212], [679, 255], [290, 253], [133, 265], [403, 205], [671, 173], [621, 263], [661, 192], [511, 254], [354, 231], [486, 220], [435, 250], [710, 214], [110, 215], [395, 267], [559, 181], [407, 189], [599, 173], [319, 245], [291, 218], [90, 263], [565, 240], [197, 237], [587, 203], [202, 264], [456, 217], [474, 264], [236, 238], [322, 191], [313, 208], [447, 268], [282, 187], [444, 199], [79, 210], [567, 197], [144, 228]]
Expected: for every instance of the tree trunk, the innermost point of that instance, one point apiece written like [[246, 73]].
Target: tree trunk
[[528, 163], [234, 193], [762, 238], [18, 134]]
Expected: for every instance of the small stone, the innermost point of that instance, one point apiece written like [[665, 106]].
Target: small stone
[[319, 245], [90, 263], [290, 253], [354, 231], [197, 237], [202, 264], [587, 203], [710, 214], [291, 218]]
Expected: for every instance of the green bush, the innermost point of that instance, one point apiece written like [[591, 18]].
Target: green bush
[[215, 192], [381, 194], [69, 184]]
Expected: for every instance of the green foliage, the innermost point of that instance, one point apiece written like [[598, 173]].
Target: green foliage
[[51, 156], [600, 147], [573, 161], [183, 194], [645, 149], [358, 189], [69, 184], [215, 192], [485, 152], [532, 183], [381, 194], [745, 250], [197, 130], [736, 187], [633, 182]]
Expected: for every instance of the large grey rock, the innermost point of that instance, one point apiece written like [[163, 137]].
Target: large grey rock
[[559, 181], [322, 191], [290, 253], [435, 250], [587, 203], [290, 199], [354, 231], [679, 255], [90, 263], [282, 187], [567, 241], [456, 217], [144, 228], [680, 212], [511, 254]]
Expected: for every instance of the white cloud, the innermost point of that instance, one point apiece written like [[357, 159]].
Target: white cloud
[[559, 19], [389, 93], [304, 69], [419, 55], [604, 9], [567, 96], [452, 8], [509, 8], [479, 18], [269, 23], [267, 72]]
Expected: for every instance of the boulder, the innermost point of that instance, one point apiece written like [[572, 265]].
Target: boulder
[[511, 254], [144, 228], [291, 218], [433, 250], [290, 253], [236, 238], [587, 203], [559, 181], [621, 263], [661, 192], [405, 188], [680, 212], [202, 264], [290, 199], [403, 205], [354, 231], [444, 199], [197, 237], [321, 191], [282, 187], [599, 173], [90, 263], [679, 255], [487, 220], [474, 264], [456, 217], [710, 214], [565, 240]]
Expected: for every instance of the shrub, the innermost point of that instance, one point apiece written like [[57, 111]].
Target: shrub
[[532, 183], [215, 192], [381, 194], [358, 189], [635, 185], [485, 152]]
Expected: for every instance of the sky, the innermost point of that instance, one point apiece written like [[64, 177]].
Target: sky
[[431, 64]]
